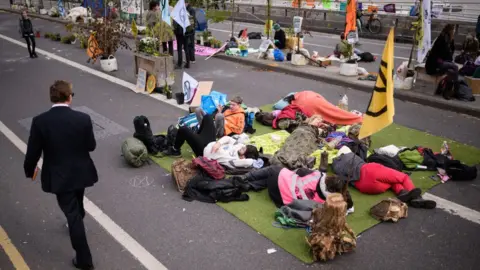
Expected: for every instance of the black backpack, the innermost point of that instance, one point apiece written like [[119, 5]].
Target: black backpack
[[392, 163], [446, 87], [144, 133], [459, 171]]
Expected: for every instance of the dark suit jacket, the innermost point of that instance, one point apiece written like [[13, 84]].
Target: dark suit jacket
[[65, 137]]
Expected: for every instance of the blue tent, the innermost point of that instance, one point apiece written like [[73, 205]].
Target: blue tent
[[202, 23]]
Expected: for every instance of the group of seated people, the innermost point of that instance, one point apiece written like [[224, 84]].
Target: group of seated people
[[289, 174]]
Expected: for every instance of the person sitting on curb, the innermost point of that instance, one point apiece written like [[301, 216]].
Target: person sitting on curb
[[373, 178], [341, 49], [229, 120], [280, 40], [229, 153]]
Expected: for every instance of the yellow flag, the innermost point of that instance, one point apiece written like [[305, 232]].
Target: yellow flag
[[134, 29], [381, 109]]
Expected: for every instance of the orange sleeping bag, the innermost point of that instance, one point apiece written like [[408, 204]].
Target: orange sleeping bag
[[314, 103]]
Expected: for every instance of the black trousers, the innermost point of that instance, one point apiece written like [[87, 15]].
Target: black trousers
[[30, 39], [71, 204], [170, 47], [266, 178], [197, 141], [185, 43]]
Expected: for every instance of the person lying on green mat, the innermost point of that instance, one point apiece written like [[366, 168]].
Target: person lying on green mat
[[231, 154], [284, 186], [374, 178]]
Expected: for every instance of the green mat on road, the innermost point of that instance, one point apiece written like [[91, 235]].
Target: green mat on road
[[258, 211]]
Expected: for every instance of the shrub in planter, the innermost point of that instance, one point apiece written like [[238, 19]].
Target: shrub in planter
[[47, 35], [207, 44]]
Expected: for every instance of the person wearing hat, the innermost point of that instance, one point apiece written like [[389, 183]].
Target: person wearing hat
[[280, 40], [229, 120]]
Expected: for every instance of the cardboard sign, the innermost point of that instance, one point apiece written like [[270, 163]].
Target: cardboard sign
[[297, 24], [204, 88], [141, 79], [189, 85], [265, 44], [352, 37]]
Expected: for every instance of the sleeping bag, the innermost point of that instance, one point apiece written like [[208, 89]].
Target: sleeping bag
[[134, 152], [315, 103]]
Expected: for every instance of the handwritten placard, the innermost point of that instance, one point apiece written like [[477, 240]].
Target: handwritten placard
[[141, 80]]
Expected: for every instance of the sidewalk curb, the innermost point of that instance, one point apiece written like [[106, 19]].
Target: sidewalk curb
[[431, 101], [408, 96]]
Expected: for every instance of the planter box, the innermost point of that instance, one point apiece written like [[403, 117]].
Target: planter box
[[160, 66]]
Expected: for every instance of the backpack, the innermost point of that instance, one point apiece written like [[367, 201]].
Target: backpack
[[182, 172], [366, 57], [249, 119], [144, 133], [389, 209], [446, 87], [211, 167], [392, 163], [460, 172], [134, 152]]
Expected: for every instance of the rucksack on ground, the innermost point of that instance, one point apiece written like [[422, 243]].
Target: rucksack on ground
[[249, 120], [144, 133], [391, 209], [182, 172], [366, 57], [211, 167], [134, 152]]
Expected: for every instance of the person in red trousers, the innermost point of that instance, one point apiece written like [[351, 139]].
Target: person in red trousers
[[374, 178]]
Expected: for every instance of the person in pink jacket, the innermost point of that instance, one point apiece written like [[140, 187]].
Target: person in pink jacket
[[284, 186]]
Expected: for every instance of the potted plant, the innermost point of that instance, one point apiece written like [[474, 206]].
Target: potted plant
[[55, 37], [349, 68], [148, 55], [167, 90], [109, 35], [68, 39]]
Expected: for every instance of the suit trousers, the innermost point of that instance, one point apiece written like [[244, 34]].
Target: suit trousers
[[71, 204]]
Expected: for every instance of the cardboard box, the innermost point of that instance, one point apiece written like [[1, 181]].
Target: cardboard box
[[203, 88], [474, 83]]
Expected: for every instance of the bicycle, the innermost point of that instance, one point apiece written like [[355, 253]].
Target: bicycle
[[374, 25]]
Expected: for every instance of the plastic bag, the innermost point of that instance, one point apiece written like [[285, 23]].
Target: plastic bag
[[278, 55], [209, 103], [343, 103]]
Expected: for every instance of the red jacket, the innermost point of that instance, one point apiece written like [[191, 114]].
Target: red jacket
[[289, 112]]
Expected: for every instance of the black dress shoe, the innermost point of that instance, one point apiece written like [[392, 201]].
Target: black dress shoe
[[81, 267], [35, 55], [422, 203], [187, 66], [406, 196]]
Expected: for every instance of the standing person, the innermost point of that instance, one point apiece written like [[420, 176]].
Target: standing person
[[477, 29], [185, 41], [170, 39], [65, 137], [26, 29], [153, 14]]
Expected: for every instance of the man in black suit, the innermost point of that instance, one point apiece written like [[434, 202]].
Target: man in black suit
[[65, 137]]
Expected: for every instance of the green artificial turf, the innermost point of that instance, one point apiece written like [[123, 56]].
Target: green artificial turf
[[258, 211]]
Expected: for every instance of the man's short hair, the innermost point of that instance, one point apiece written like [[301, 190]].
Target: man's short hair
[[237, 100], [252, 152], [60, 91]]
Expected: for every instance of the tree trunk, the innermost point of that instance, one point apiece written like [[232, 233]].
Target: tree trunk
[[330, 233]]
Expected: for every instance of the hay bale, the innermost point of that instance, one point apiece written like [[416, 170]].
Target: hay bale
[[330, 233]]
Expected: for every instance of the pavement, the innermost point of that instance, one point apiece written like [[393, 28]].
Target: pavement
[[144, 201]]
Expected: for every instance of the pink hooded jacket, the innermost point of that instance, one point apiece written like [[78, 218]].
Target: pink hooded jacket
[[293, 187]]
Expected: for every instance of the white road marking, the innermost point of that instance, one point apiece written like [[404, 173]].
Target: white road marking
[[454, 209], [97, 73], [316, 45], [121, 236]]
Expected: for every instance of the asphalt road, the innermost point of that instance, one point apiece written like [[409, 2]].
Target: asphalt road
[[202, 236]]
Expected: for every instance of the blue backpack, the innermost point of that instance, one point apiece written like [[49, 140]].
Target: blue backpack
[[249, 119]]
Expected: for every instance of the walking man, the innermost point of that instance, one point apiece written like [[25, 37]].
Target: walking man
[[65, 137]]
